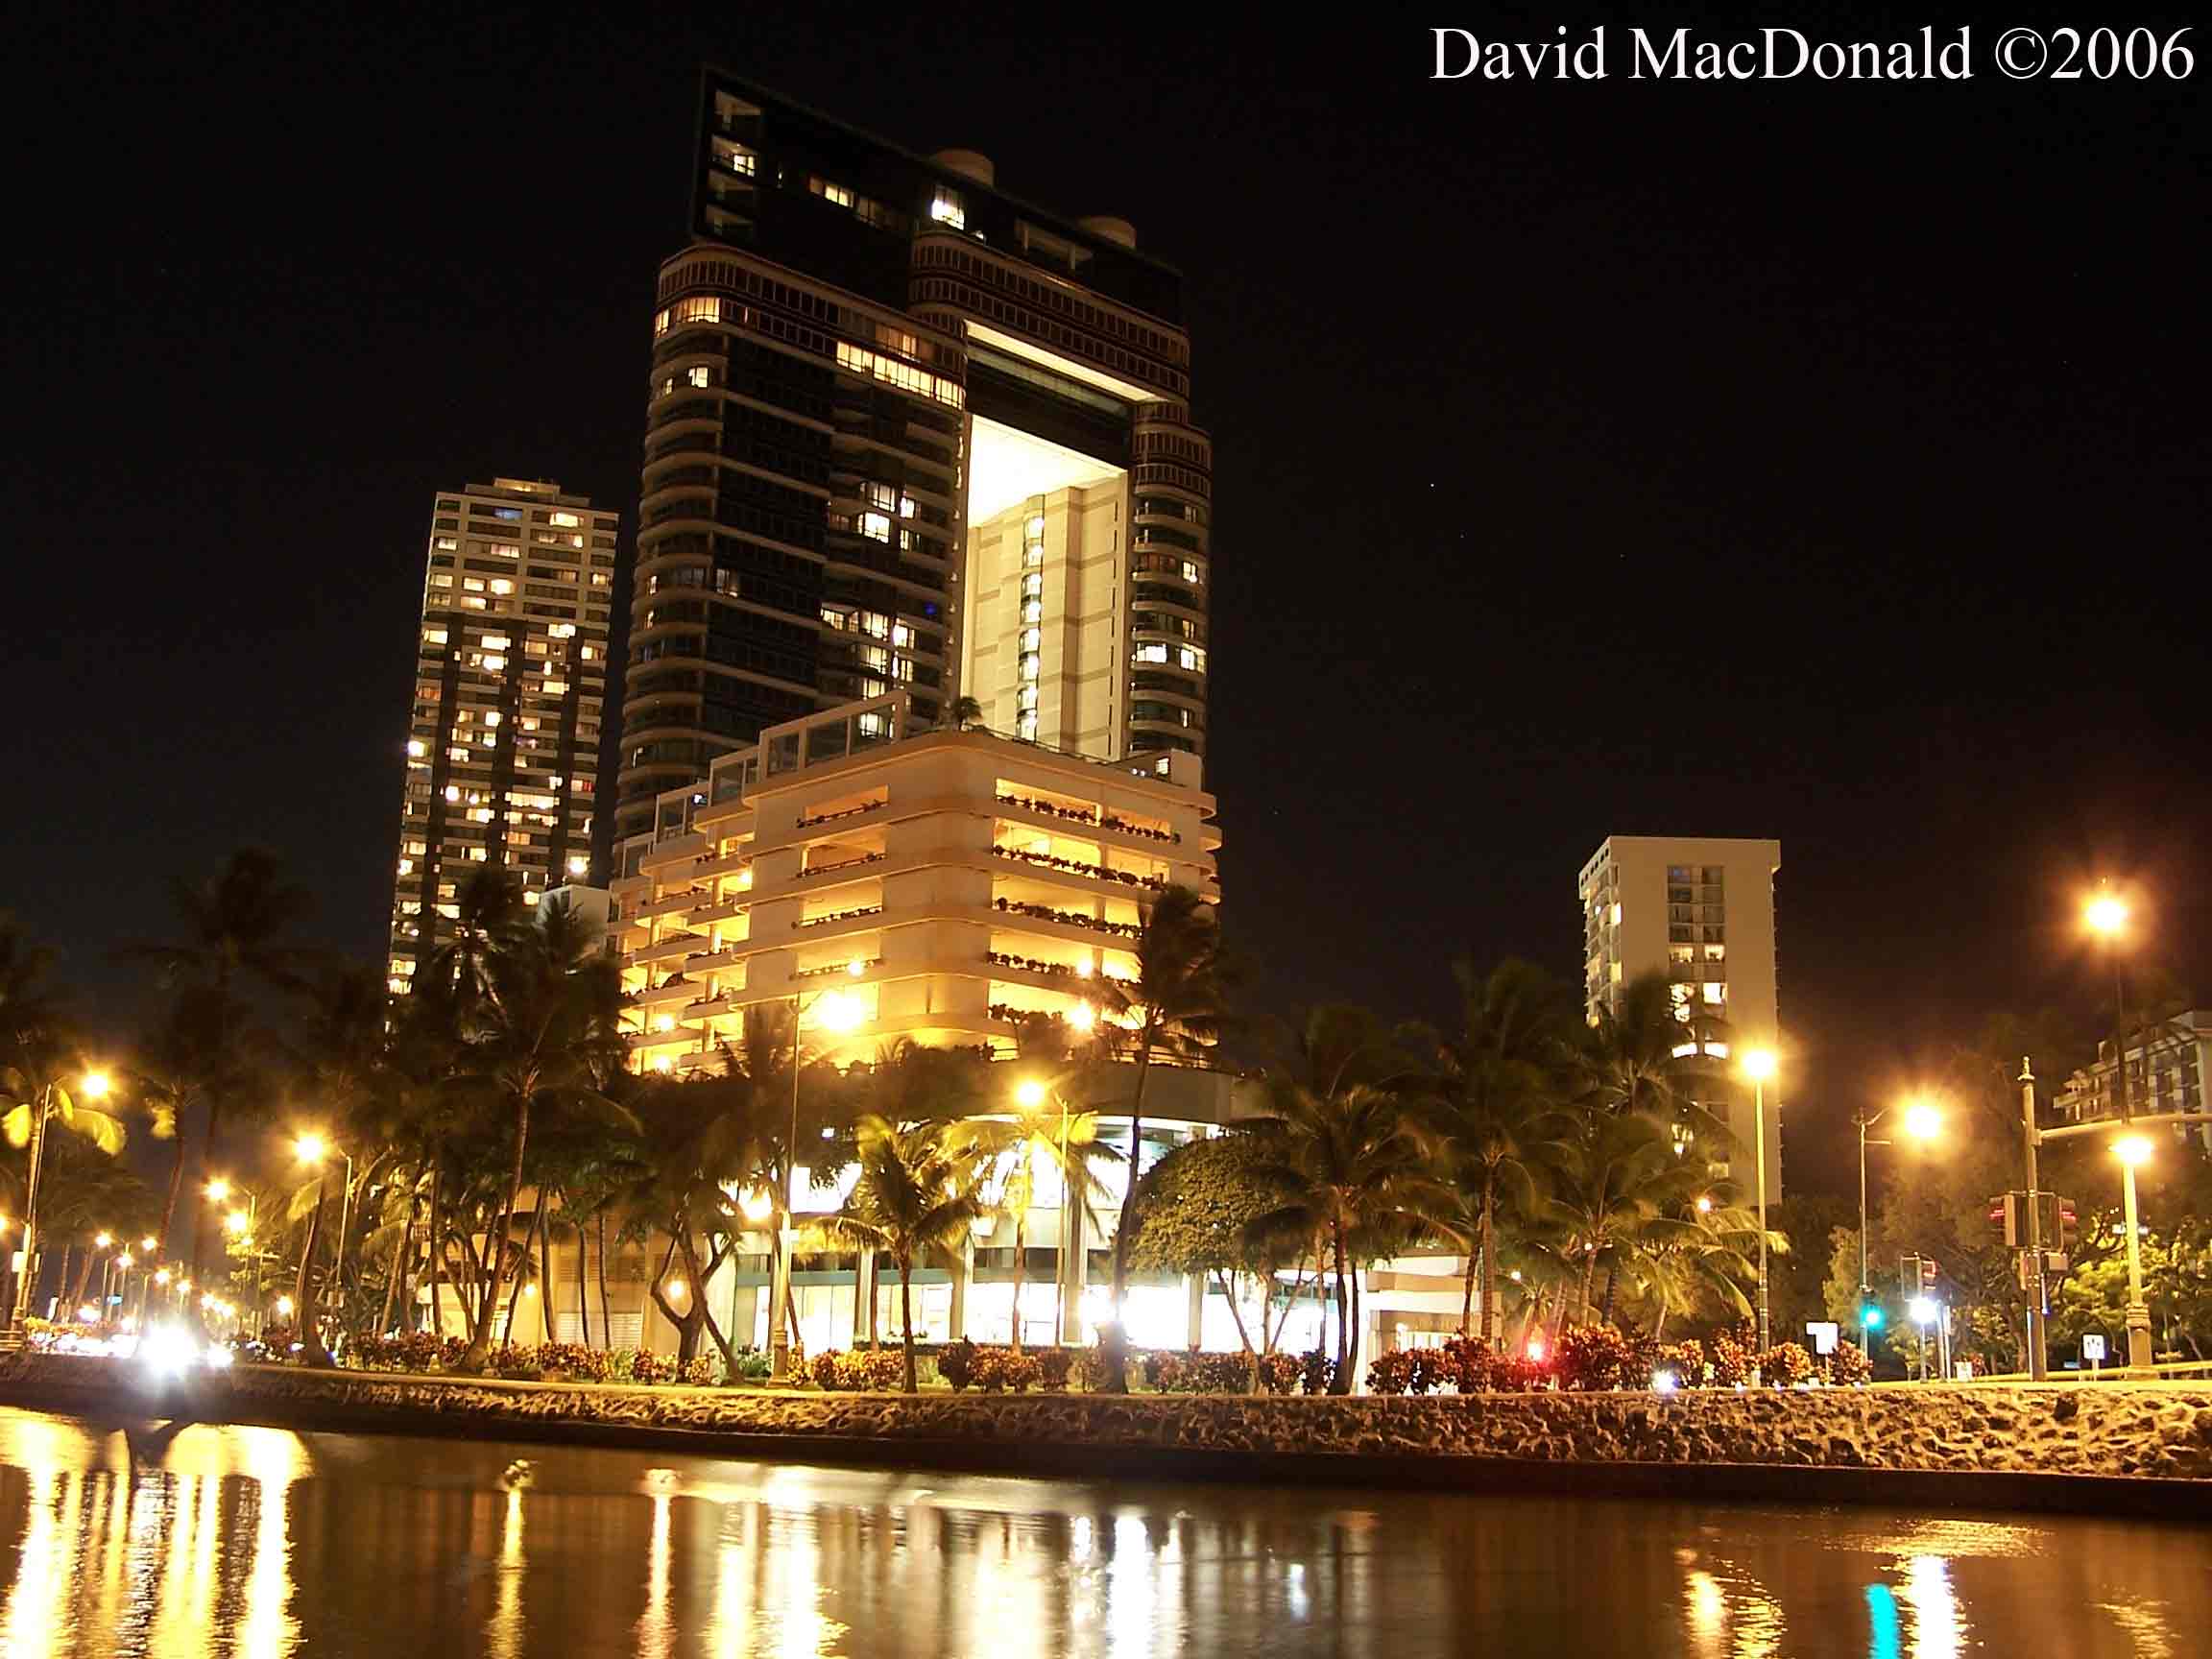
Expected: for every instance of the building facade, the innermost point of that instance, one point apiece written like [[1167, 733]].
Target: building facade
[[1701, 911], [906, 432], [509, 686], [2167, 1072]]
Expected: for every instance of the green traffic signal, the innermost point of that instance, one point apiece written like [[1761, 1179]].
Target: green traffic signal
[[1870, 1316]]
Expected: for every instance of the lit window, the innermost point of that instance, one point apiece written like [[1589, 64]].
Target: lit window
[[500, 585], [457, 752], [876, 525], [441, 579], [566, 520], [475, 584], [1031, 638], [495, 641], [840, 194], [495, 661], [561, 630], [1029, 666], [493, 717], [1716, 991], [433, 636], [452, 792], [1151, 653], [697, 376], [1033, 558], [1189, 657], [1035, 528], [1026, 727], [946, 207], [1025, 699], [446, 544], [415, 747]]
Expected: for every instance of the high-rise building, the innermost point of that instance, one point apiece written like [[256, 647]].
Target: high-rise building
[[1701, 911], [510, 682], [905, 431]]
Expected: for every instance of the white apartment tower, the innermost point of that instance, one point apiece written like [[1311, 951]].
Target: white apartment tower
[[1700, 910], [509, 685]]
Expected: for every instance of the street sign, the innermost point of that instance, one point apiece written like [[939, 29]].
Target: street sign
[[2093, 1348], [1823, 1333]]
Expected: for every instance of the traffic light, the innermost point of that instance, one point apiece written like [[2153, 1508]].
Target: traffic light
[[1870, 1314]]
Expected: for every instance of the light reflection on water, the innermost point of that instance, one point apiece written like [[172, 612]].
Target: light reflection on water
[[260, 1543]]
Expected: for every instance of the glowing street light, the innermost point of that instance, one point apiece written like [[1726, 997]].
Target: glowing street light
[[1029, 1094], [284, 1306], [217, 1190], [237, 1223], [310, 1149], [2106, 915], [1759, 1064], [1923, 1121], [1083, 1017]]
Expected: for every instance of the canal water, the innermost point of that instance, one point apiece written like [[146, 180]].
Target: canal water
[[262, 1542]]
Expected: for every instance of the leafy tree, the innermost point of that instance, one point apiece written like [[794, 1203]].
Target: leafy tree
[[1201, 1211]]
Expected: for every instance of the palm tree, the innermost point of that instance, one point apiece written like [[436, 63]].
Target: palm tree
[[1614, 1187], [489, 913], [914, 1197], [1352, 1168], [234, 928], [1497, 1103], [967, 712], [1046, 1133], [550, 1009], [1180, 999], [1697, 1258], [1640, 1057]]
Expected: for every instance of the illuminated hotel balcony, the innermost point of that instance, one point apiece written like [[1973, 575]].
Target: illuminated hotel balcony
[[674, 947]]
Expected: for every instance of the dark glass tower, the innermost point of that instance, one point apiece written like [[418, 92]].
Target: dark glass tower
[[906, 430]]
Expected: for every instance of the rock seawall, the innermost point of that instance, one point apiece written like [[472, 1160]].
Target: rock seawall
[[2118, 1430]]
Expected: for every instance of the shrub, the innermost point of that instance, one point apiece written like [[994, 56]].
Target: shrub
[[645, 1367], [882, 1369], [700, 1370], [1731, 1366], [1684, 1361], [753, 1366], [955, 1362], [1785, 1364], [1391, 1373], [1161, 1371], [1848, 1367], [1317, 1372], [1517, 1374], [993, 1369], [1279, 1373], [1217, 1373], [1054, 1364], [1467, 1362], [1592, 1357]]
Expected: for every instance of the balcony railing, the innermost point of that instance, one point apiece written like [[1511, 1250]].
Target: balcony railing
[[1077, 867], [830, 967], [842, 864], [834, 817], [839, 916], [1051, 970], [1092, 816], [1070, 919]]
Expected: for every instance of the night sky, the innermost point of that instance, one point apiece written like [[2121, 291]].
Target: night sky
[[1818, 461]]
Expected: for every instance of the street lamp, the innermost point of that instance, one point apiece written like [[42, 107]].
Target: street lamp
[[1923, 1122], [836, 1011], [2132, 1150], [94, 1086], [1759, 1064]]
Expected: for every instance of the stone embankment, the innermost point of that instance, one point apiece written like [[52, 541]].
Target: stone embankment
[[2012, 1438]]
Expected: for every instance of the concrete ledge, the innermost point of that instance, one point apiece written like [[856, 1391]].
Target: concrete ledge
[[1939, 1448]]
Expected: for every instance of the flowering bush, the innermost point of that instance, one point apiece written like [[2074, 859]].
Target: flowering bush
[[1317, 1372], [700, 1370], [1279, 1373], [1054, 1364], [880, 1372], [1391, 1373], [647, 1367], [1512, 1373], [1684, 1361], [1785, 1365], [1593, 1356], [1731, 1366], [955, 1361], [1161, 1371], [1848, 1367], [1466, 1362]]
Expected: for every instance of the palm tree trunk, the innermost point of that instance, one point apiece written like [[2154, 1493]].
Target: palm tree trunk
[[522, 1274], [1229, 1291], [1338, 1384], [1589, 1278], [907, 1315], [1020, 1233], [437, 1253], [606, 1317], [479, 1343], [175, 1187], [201, 1212], [1490, 1259], [311, 1347], [1117, 1354], [583, 1291], [546, 1278], [76, 1298], [399, 1273]]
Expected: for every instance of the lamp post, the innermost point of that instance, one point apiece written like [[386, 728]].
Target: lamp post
[[834, 1011], [95, 1084], [2132, 1150], [1759, 1066], [1923, 1122]]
